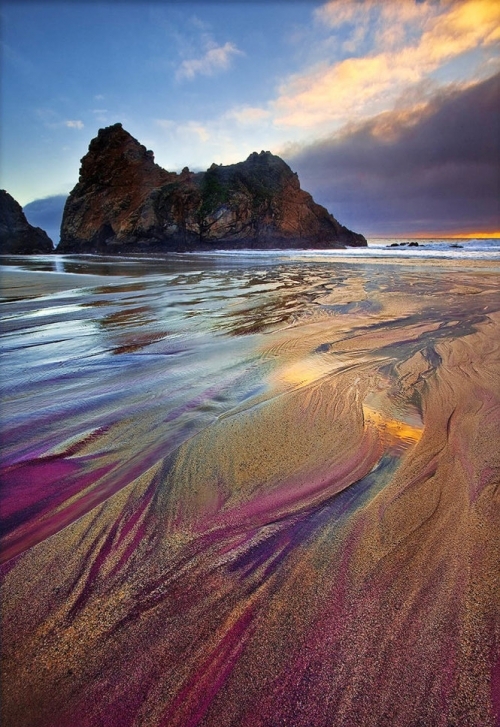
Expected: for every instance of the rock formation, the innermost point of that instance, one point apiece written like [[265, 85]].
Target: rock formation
[[17, 236], [124, 202]]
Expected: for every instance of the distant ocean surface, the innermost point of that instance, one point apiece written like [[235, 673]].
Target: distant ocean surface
[[404, 247], [469, 249]]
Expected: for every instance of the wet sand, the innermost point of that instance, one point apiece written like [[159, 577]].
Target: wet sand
[[322, 552], [22, 284]]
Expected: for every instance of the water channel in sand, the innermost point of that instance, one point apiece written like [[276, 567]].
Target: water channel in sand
[[250, 490]]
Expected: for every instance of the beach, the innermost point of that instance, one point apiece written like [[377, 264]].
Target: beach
[[251, 490]]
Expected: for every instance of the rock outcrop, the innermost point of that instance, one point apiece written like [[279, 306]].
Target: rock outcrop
[[124, 202], [17, 236]]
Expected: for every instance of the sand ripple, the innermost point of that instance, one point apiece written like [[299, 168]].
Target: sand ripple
[[318, 548]]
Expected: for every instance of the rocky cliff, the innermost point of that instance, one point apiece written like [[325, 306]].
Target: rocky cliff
[[17, 236], [124, 202]]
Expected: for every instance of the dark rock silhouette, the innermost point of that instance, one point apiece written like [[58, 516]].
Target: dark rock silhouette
[[17, 236], [124, 202]]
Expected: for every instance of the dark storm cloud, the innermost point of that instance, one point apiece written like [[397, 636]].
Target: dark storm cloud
[[47, 214], [436, 169]]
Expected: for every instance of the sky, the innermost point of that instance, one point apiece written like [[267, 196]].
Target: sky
[[387, 110]]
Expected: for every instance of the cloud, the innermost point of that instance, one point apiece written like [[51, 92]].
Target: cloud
[[410, 42], [248, 115], [167, 124], [47, 213], [185, 130], [224, 139], [433, 167], [52, 120], [71, 124], [338, 13], [216, 58], [194, 128], [197, 22]]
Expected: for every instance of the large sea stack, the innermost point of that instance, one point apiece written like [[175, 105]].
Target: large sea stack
[[124, 202], [17, 236]]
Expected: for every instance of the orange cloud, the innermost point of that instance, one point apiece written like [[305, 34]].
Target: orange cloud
[[354, 87], [358, 87], [248, 114]]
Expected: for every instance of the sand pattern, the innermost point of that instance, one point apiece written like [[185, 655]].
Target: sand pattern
[[317, 548]]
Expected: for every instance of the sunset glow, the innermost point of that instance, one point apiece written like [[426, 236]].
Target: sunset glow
[[387, 110]]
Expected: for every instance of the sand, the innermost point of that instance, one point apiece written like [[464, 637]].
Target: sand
[[323, 554]]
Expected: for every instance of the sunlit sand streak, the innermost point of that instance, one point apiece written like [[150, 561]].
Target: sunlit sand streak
[[393, 430], [289, 443]]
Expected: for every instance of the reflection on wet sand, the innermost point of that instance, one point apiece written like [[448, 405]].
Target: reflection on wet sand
[[256, 498]]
